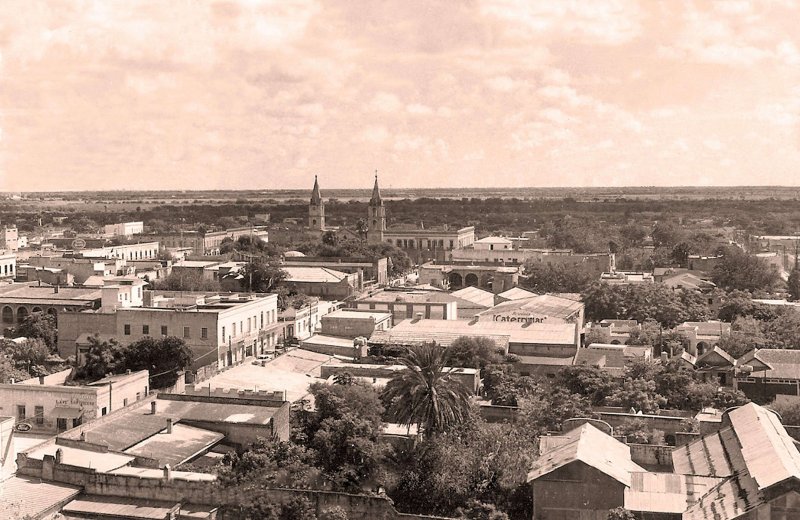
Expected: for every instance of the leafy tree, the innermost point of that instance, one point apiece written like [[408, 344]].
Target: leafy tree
[[783, 331], [620, 513], [474, 352], [103, 357], [544, 278], [329, 238], [163, 357], [745, 335], [637, 432], [425, 394], [638, 394], [745, 272], [475, 471], [9, 373], [31, 356], [596, 335], [270, 463], [591, 382], [504, 387], [644, 302], [543, 412], [788, 410], [666, 234], [343, 433], [793, 285], [185, 280], [39, 325], [728, 397], [262, 275]]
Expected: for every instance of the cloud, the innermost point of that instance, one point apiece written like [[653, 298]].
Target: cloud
[[261, 93]]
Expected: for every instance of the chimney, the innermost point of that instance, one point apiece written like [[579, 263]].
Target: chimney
[[418, 316], [55, 289], [59, 456], [169, 425], [153, 407], [167, 472], [664, 357], [41, 380]]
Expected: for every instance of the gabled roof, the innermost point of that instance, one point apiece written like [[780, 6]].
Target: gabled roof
[[782, 363], [706, 328], [475, 295], [493, 240], [516, 293], [715, 357], [612, 360], [542, 304], [594, 448], [754, 452]]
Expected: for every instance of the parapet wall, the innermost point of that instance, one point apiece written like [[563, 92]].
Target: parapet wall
[[177, 489], [272, 398]]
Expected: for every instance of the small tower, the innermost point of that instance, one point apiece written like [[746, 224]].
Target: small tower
[[376, 216], [316, 209]]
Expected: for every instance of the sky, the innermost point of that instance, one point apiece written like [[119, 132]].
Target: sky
[[248, 94]]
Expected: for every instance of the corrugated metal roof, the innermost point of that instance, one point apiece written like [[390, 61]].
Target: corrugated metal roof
[[542, 304], [785, 363], [516, 293], [665, 492], [706, 456], [120, 507], [592, 447], [475, 295], [730, 499], [769, 452]]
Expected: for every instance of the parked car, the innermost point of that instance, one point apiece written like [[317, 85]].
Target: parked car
[[263, 358]]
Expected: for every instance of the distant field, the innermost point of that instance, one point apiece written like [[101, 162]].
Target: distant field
[[130, 200]]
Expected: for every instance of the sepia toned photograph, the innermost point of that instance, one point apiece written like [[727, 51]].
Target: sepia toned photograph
[[399, 260]]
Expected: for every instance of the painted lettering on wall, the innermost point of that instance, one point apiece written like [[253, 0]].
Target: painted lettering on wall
[[520, 319]]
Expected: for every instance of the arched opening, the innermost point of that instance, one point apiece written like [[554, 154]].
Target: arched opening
[[455, 280], [22, 313], [486, 280], [8, 314], [51, 311], [36, 309], [615, 342], [471, 280], [702, 347]]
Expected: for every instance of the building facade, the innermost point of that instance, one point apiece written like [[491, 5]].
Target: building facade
[[221, 329], [124, 229], [48, 404], [8, 265]]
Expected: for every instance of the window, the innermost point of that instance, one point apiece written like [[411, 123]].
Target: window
[[127, 329], [103, 411], [20, 412], [164, 330], [233, 332], [262, 319], [146, 330], [125, 402], [61, 424], [38, 412], [223, 333], [204, 333], [186, 332]]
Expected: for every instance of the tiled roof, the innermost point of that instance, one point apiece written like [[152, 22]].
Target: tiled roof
[[785, 363]]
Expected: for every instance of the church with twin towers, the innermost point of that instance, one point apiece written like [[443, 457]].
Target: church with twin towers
[[420, 243]]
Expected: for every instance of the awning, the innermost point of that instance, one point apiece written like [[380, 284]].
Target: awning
[[67, 413]]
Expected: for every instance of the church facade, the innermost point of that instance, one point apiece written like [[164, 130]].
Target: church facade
[[419, 243]]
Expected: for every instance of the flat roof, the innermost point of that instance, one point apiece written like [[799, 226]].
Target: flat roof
[[183, 444], [475, 296], [408, 296], [313, 274], [82, 458], [159, 473], [323, 340], [544, 304], [356, 314], [518, 332], [33, 496], [121, 507]]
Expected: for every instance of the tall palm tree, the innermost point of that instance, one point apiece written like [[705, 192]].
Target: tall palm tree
[[426, 394]]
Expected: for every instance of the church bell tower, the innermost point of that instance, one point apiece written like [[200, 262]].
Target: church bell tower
[[376, 218], [316, 209]]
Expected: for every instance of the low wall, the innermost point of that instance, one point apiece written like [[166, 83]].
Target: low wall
[[652, 456], [495, 414], [176, 489]]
